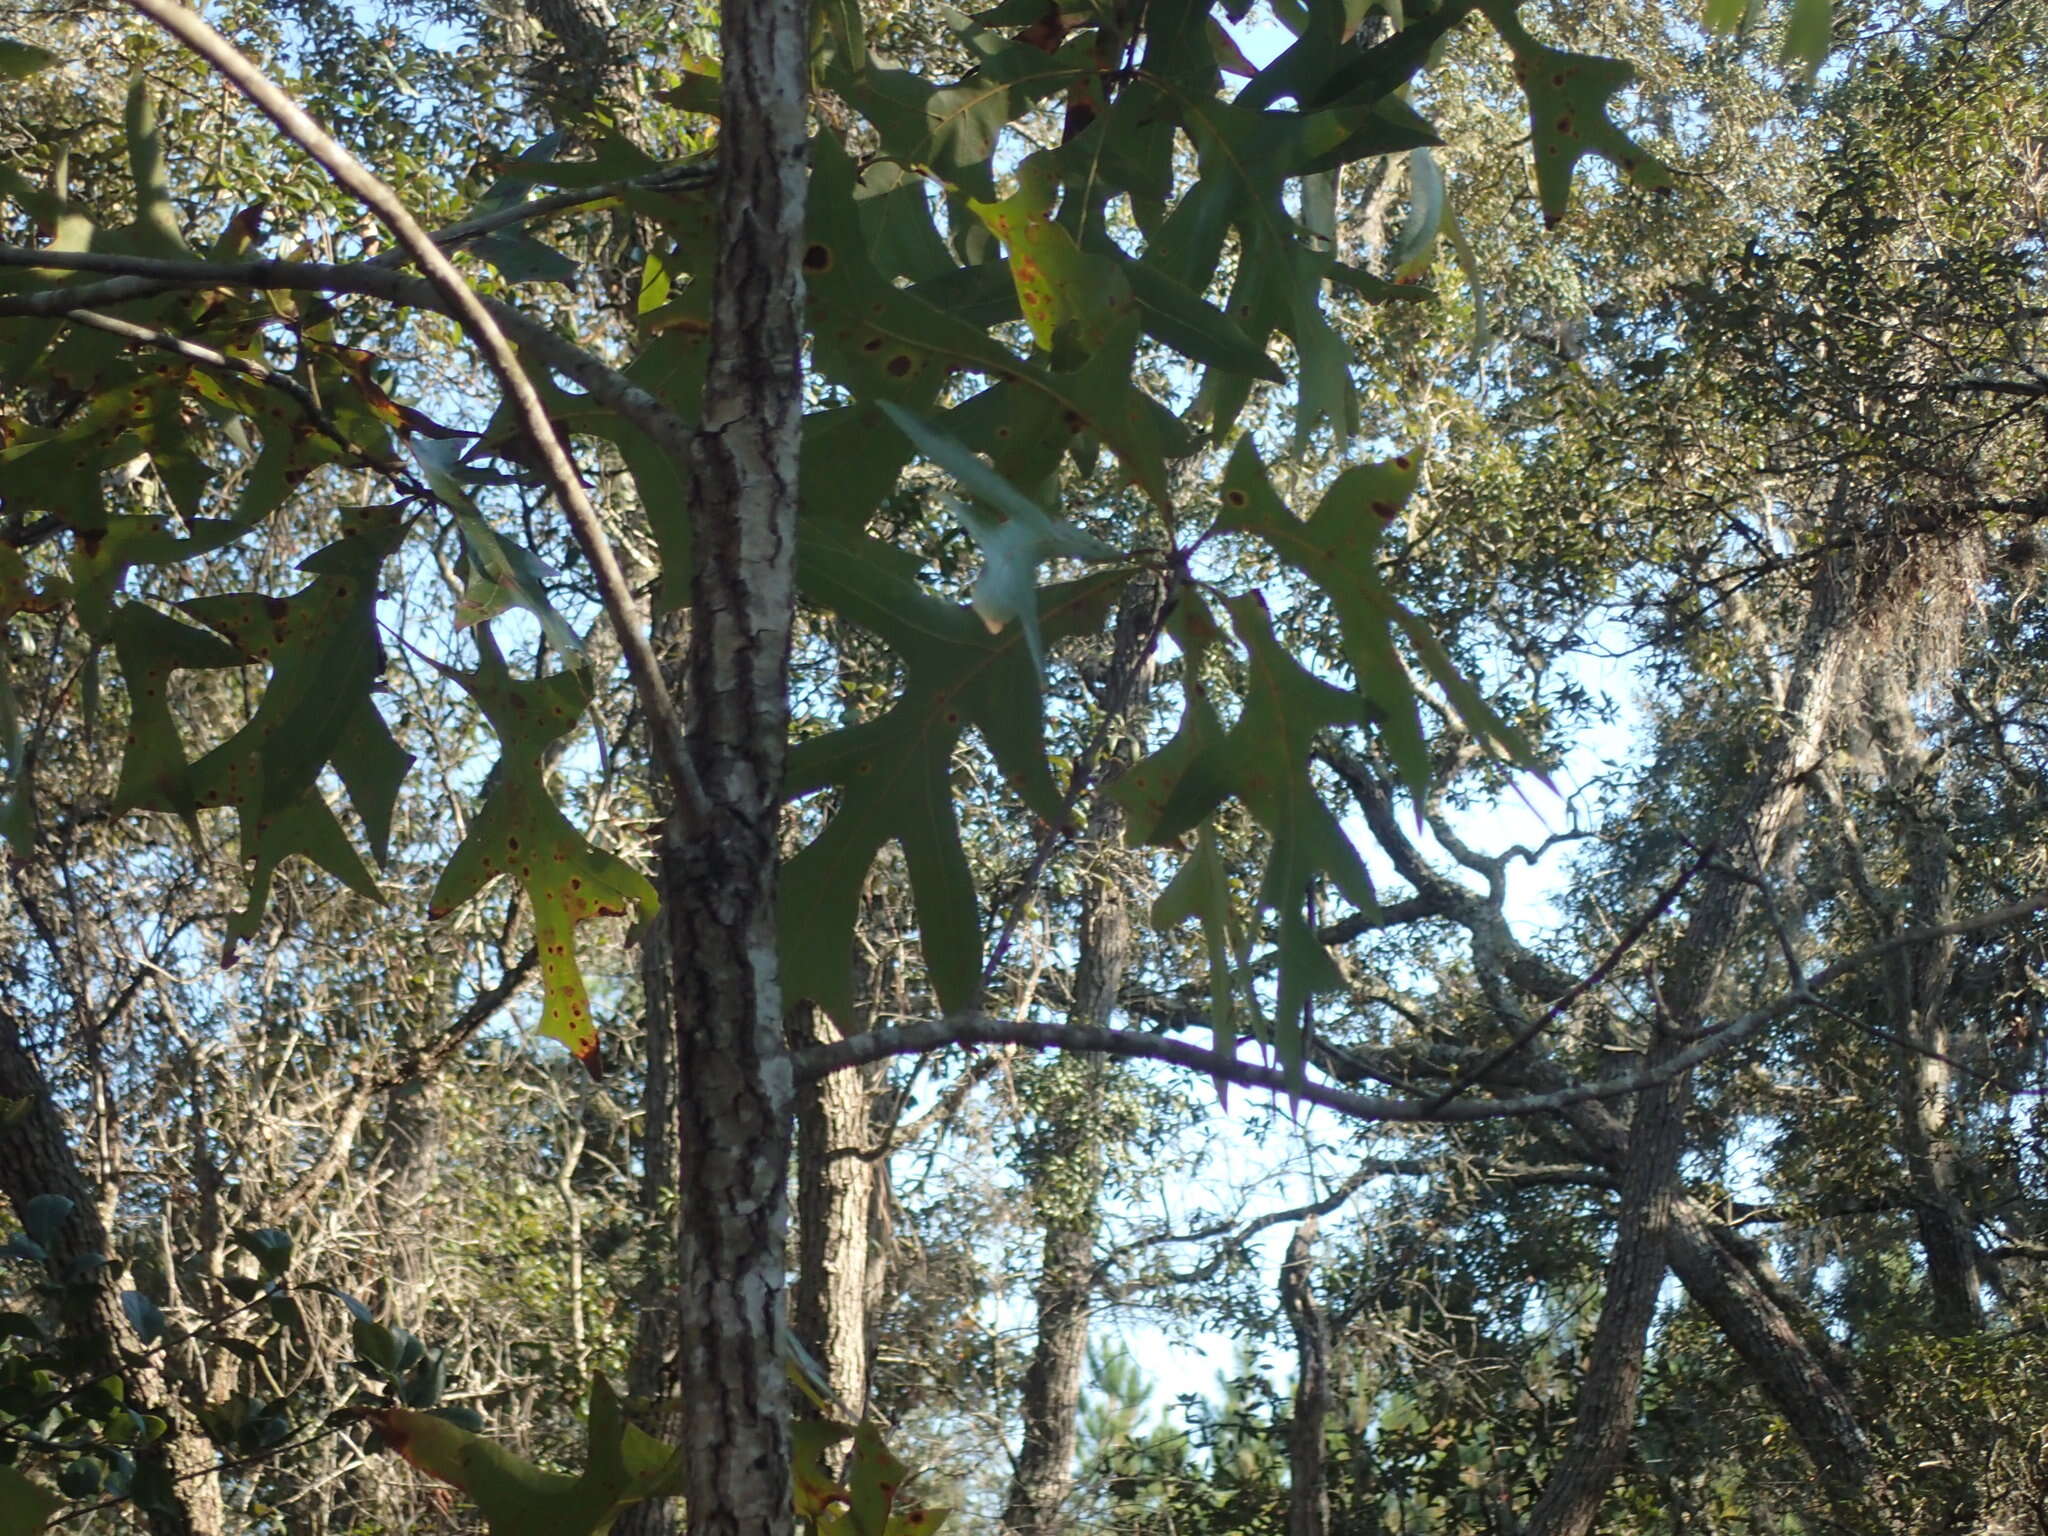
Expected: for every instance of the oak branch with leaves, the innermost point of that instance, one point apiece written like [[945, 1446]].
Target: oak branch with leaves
[[849, 308]]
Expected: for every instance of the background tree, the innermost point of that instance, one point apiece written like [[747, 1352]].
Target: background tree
[[1767, 430]]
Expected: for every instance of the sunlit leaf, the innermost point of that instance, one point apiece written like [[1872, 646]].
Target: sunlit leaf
[[1569, 98], [19, 60], [519, 831], [517, 1498]]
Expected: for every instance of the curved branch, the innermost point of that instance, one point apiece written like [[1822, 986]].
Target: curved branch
[[975, 1029], [932, 1034], [477, 322], [142, 277]]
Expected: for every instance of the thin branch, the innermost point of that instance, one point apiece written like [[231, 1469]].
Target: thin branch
[[1578, 989], [270, 378], [144, 277], [1239, 1232], [668, 178], [476, 320], [975, 1029]]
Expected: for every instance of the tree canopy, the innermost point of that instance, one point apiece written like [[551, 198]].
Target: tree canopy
[[705, 700]]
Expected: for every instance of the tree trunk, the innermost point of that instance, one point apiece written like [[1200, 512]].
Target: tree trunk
[[1065, 1294], [735, 1088], [1805, 1374], [586, 70], [1570, 1501], [1919, 982], [1308, 1490], [652, 1373], [1787, 1352], [176, 1486], [835, 1210]]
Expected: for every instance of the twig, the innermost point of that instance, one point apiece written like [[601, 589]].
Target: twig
[[668, 177], [142, 277], [1578, 989]]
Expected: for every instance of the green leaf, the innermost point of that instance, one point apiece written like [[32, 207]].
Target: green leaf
[[324, 657], [25, 1507], [519, 258], [884, 344], [1180, 318], [1724, 16], [893, 773], [156, 231], [816, 1490], [1264, 759], [519, 831], [19, 60], [1201, 889], [1414, 247], [44, 1216], [1569, 96], [144, 1316], [505, 575], [1809, 34], [623, 1466], [271, 1247], [1015, 533], [953, 129], [1337, 548]]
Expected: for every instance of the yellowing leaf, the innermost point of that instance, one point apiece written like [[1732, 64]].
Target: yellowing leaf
[[519, 831], [1057, 282]]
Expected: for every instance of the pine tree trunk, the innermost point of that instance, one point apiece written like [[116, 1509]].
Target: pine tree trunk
[[735, 1088]]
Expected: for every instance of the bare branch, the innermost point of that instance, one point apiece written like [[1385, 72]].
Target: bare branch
[[974, 1029]]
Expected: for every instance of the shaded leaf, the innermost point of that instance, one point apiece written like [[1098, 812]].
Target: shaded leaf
[[25, 1506], [1015, 533], [894, 773]]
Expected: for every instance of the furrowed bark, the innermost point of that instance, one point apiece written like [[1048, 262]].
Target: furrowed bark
[[1798, 1367], [652, 1371], [1570, 1502], [1308, 1488], [1043, 1473], [37, 1158], [1918, 978], [1065, 1293], [835, 1210], [735, 1088]]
